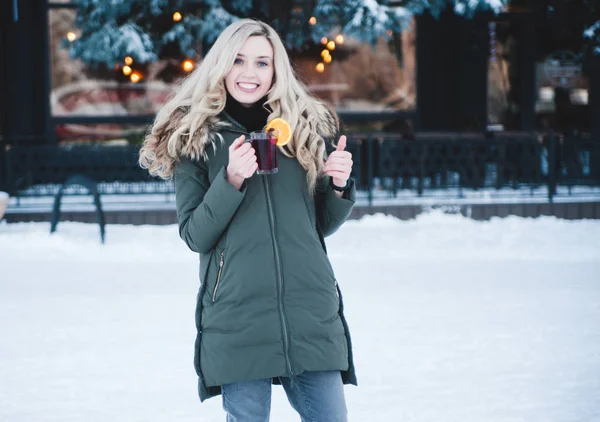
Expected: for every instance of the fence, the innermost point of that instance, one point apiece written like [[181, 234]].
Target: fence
[[383, 162]]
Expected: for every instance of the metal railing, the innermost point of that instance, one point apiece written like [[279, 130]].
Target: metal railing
[[386, 162], [460, 161]]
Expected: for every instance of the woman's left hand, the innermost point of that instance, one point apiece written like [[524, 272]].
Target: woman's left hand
[[339, 164]]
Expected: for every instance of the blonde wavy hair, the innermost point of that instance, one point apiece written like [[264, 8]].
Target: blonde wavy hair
[[188, 121]]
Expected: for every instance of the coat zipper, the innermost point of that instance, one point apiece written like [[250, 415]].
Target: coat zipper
[[279, 277], [221, 263]]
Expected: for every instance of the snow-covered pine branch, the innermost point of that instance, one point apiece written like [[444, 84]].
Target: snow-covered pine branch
[[187, 34], [462, 7], [109, 44], [215, 21], [365, 20], [593, 33], [470, 7]]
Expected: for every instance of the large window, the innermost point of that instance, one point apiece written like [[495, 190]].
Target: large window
[[79, 90], [561, 85], [355, 77]]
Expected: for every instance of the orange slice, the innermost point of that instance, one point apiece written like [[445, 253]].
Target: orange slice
[[283, 128]]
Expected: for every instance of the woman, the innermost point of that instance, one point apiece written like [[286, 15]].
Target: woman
[[269, 309]]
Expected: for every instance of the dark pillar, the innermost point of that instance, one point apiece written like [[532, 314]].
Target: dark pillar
[[437, 58], [26, 72], [594, 101], [452, 60], [594, 98], [472, 81], [527, 55], [5, 12]]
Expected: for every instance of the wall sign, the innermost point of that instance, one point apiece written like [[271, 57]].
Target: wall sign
[[563, 69]]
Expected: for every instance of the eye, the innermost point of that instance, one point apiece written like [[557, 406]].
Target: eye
[[262, 64], [238, 61]]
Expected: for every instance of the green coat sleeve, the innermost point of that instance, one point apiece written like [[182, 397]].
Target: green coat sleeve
[[204, 209], [333, 211]]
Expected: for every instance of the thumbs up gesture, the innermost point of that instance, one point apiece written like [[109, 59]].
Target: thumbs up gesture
[[339, 164]]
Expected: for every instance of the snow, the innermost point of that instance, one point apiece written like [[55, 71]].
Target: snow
[[132, 39], [463, 6], [110, 41], [452, 320], [378, 18], [589, 32], [215, 22]]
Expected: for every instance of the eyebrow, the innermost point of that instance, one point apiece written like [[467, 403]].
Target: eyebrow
[[259, 57]]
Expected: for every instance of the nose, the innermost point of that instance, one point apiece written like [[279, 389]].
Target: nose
[[248, 70]]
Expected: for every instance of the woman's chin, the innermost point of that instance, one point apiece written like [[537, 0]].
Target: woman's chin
[[247, 97]]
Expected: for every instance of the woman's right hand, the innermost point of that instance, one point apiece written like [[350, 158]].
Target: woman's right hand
[[242, 162]]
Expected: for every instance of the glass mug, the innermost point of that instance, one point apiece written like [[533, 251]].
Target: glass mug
[[265, 147]]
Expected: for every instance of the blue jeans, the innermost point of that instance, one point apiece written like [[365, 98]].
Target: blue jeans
[[316, 396]]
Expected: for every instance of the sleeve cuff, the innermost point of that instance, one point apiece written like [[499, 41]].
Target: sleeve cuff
[[344, 203]]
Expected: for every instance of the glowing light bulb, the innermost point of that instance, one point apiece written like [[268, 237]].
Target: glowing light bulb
[[71, 36], [187, 65], [177, 16], [128, 60], [324, 40], [339, 39], [325, 53], [135, 77], [327, 59], [126, 70], [312, 20], [320, 67], [331, 45]]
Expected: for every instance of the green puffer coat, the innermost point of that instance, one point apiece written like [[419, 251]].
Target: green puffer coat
[[268, 303]]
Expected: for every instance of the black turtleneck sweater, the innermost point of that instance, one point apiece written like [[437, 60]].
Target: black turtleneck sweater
[[253, 118]]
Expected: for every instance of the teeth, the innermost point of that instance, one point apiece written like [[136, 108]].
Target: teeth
[[248, 86]]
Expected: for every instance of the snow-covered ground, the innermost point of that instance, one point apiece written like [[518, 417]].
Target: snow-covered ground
[[452, 320]]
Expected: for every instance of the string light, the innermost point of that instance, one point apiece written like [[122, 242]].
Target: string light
[[324, 40], [339, 39], [327, 59], [126, 70], [135, 77], [128, 60], [71, 36], [177, 16], [312, 20], [187, 65], [331, 45], [320, 67]]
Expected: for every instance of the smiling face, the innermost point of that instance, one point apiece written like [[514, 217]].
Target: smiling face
[[251, 75]]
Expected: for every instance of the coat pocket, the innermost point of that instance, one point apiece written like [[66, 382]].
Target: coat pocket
[[220, 271]]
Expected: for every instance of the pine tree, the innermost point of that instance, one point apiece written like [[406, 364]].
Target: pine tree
[[149, 30]]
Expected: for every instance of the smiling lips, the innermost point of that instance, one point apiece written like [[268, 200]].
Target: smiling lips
[[247, 86]]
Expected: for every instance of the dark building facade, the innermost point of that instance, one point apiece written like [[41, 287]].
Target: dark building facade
[[524, 70]]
